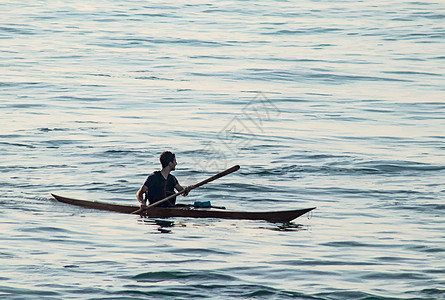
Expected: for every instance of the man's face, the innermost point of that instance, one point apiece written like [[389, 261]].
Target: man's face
[[173, 164]]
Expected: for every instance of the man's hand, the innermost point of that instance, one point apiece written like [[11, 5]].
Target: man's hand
[[187, 190]]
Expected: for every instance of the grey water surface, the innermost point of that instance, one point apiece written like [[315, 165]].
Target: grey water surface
[[333, 104]]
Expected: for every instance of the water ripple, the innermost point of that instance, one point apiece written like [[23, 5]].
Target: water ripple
[[182, 276]]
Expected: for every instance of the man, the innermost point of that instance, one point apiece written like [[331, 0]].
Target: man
[[161, 184]]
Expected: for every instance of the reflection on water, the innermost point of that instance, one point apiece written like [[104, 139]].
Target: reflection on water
[[167, 226], [161, 226]]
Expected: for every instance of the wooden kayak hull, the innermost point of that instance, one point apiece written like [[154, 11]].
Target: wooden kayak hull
[[191, 212]]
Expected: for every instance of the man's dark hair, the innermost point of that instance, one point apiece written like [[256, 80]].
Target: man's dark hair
[[166, 158]]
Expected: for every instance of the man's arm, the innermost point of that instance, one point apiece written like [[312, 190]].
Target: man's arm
[[140, 195], [179, 188]]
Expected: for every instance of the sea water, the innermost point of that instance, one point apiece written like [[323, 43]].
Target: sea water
[[338, 105]]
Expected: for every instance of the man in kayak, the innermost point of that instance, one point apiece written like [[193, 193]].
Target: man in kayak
[[161, 184]]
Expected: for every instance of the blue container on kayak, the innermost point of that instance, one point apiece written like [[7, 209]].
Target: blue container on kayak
[[202, 204]]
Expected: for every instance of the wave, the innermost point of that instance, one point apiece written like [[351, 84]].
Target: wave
[[16, 31], [299, 76], [343, 167], [46, 129], [183, 276]]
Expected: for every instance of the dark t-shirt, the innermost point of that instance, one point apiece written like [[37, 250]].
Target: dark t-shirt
[[159, 188]]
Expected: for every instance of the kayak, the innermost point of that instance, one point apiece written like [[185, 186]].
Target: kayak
[[185, 211]]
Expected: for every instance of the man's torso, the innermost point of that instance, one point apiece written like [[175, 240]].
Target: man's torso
[[159, 188]]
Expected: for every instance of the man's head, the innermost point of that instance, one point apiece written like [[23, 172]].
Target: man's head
[[166, 158]]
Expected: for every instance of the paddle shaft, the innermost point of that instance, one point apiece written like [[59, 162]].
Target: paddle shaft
[[219, 175]]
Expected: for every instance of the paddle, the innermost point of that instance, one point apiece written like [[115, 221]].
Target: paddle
[[219, 175]]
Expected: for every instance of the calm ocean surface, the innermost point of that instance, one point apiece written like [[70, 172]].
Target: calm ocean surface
[[333, 104]]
